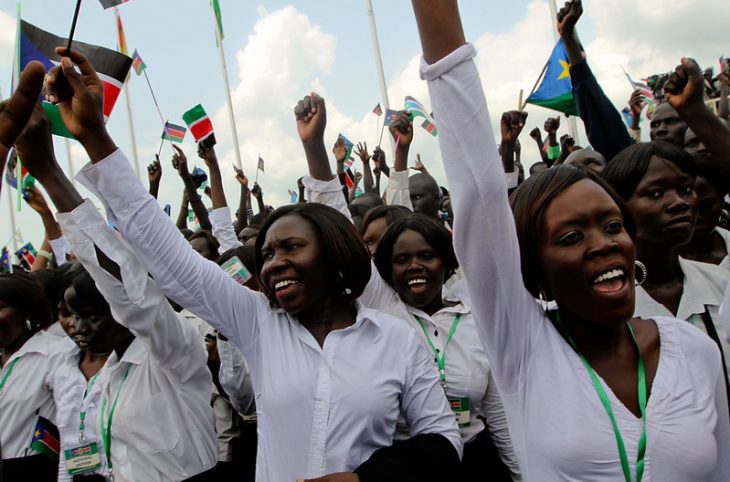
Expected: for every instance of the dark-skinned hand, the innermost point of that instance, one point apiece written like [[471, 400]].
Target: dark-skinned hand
[[511, 125], [685, 86], [402, 126], [378, 157], [339, 149], [311, 116], [419, 165], [568, 16], [16, 111], [338, 477], [35, 144], [37, 201], [256, 190], [241, 178], [636, 103], [535, 134], [180, 162], [300, 183], [154, 171], [566, 142], [207, 154], [362, 152]]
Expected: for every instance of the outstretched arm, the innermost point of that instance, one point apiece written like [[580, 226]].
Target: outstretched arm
[[685, 92], [180, 163], [604, 125]]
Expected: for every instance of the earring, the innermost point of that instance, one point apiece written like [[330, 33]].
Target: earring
[[642, 268], [28, 325]]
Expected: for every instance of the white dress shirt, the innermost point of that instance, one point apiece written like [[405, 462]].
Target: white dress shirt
[[703, 289], [235, 378], [319, 409], [559, 428], [220, 219], [28, 393], [162, 428], [725, 235], [69, 387]]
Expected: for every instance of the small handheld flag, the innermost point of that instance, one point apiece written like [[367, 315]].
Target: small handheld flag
[[389, 117], [45, 439], [416, 109], [111, 66], [111, 3], [199, 123], [260, 165], [292, 196], [200, 178], [378, 111], [137, 63], [122, 41], [218, 17], [6, 266], [173, 132], [11, 174], [724, 65], [556, 90], [348, 144], [27, 253]]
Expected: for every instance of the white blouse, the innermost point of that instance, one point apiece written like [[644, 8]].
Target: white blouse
[[319, 409], [559, 429], [28, 392]]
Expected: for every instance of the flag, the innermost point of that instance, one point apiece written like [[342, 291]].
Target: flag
[[111, 3], [45, 439], [645, 90], [11, 173], [628, 116], [200, 178], [389, 117], [350, 146], [112, 67], [173, 132], [260, 166], [556, 90], [378, 111], [199, 123], [27, 253], [122, 41], [6, 266], [137, 63], [416, 109], [218, 17], [292, 196], [724, 65]]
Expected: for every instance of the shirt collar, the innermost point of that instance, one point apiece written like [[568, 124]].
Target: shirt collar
[[703, 286], [135, 353]]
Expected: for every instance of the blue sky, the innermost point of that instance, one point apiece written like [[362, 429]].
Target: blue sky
[[277, 51]]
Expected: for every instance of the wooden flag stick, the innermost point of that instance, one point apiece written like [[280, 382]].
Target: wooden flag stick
[[519, 102], [534, 87], [73, 26]]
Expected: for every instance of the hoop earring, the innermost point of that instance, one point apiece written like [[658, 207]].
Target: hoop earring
[[642, 268]]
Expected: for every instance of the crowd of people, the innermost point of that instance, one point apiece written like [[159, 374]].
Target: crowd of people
[[563, 326]]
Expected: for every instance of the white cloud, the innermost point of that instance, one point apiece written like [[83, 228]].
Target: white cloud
[[7, 38]]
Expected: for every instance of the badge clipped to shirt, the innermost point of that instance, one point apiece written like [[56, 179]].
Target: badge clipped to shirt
[[460, 407], [82, 458], [236, 270]]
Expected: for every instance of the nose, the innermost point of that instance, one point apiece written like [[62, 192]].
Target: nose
[[677, 203], [82, 326], [601, 243]]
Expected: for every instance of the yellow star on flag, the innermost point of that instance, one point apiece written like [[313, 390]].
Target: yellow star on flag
[[566, 69]]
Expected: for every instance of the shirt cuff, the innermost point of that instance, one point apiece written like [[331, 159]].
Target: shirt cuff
[[511, 179], [398, 180], [61, 249], [458, 56]]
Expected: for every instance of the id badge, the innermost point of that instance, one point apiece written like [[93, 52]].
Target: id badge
[[83, 458], [460, 407]]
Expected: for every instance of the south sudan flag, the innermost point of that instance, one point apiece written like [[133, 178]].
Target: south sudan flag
[[46, 439], [112, 67]]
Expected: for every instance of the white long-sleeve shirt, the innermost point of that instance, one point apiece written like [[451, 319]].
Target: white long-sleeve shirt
[[559, 429], [162, 428], [235, 378], [69, 387], [220, 219], [28, 392], [319, 409]]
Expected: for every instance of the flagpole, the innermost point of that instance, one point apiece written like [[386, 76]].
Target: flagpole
[[378, 61], [553, 19], [131, 127], [232, 119], [12, 218], [534, 87], [70, 161]]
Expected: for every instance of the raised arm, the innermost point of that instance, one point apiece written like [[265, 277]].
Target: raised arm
[[362, 153], [685, 92], [484, 233], [154, 174], [220, 217], [397, 192], [604, 126], [180, 163], [181, 273], [244, 201], [724, 111]]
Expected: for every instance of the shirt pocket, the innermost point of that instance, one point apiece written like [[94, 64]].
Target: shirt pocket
[[147, 425]]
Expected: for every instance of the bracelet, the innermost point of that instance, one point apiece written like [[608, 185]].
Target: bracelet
[[191, 201], [45, 254]]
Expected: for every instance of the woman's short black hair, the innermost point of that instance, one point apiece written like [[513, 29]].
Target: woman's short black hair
[[87, 293], [213, 243], [390, 212], [346, 260], [435, 234], [628, 167], [530, 201], [56, 281], [21, 291]]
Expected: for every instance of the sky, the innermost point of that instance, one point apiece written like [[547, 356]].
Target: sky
[[278, 51]]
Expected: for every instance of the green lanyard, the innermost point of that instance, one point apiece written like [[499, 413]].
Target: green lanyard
[[7, 373], [106, 429], [82, 414], [607, 406], [441, 357]]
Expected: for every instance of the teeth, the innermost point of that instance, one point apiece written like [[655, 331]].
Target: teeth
[[417, 281], [284, 283], [609, 275]]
